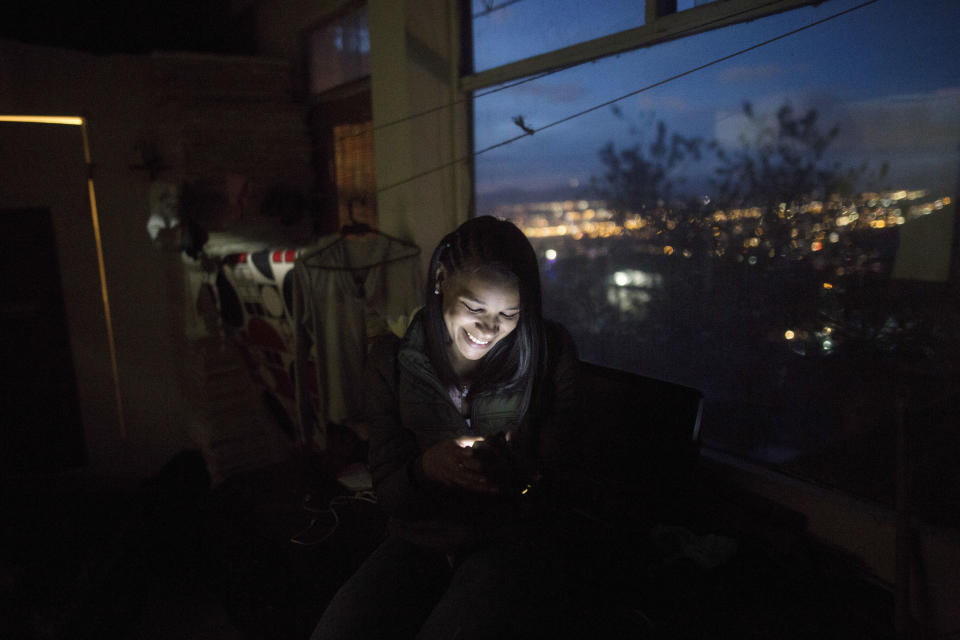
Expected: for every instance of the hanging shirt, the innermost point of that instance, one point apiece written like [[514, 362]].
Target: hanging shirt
[[347, 290]]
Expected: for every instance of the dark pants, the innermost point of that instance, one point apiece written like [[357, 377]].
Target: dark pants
[[500, 590]]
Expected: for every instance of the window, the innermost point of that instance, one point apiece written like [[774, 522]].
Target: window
[[341, 126], [775, 227], [683, 5], [338, 51], [355, 179], [341, 121], [502, 28]]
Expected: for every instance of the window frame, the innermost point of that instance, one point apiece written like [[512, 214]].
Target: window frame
[[663, 23], [345, 104]]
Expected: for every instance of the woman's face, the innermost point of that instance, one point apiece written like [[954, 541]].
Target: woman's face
[[479, 309]]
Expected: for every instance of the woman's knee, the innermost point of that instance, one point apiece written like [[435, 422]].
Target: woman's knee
[[390, 595]]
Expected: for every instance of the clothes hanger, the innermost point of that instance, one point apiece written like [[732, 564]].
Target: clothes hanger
[[355, 228]]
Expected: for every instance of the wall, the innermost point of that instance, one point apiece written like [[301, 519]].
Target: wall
[[414, 60], [111, 93], [208, 117]]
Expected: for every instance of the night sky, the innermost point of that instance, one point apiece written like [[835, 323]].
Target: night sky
[[887, 75]]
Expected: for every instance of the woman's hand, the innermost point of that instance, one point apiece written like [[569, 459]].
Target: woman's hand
[[456, 464]]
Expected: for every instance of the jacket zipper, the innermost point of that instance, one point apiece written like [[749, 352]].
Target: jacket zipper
[[431, 382]]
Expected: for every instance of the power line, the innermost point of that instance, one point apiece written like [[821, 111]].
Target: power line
[[453, 103], [690, 71], [607, 103], [517, 83], [492, 8]]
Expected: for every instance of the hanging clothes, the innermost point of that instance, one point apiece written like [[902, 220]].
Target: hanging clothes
[[246, 297], [347, 290], [255, 295]]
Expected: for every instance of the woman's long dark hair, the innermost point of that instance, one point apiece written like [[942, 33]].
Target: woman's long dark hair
[[515, 363]]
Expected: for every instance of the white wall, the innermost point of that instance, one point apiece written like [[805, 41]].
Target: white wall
[[413, 63]]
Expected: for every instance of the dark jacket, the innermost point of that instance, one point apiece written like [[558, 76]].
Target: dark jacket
[[409, 410]]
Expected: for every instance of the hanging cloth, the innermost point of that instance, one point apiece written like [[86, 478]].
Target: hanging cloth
[[348, 289]]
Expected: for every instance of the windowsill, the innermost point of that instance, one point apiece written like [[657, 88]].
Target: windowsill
[[750, 475], [753, 476], [865, 530]]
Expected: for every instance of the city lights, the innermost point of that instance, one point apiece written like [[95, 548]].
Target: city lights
[[802, 229], [637, 278], [839, 236]]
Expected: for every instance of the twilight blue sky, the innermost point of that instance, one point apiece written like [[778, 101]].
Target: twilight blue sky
[[887, 74]]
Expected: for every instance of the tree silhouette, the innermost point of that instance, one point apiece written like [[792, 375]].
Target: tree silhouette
[[783, 161], [639, 177]]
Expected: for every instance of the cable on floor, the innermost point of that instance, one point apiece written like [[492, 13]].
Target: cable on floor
[[327, 517]]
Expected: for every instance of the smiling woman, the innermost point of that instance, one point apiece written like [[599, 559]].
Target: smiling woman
[[470, 418], [486, 283], [480, 309]]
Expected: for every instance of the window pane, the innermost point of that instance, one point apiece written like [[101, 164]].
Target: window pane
[[774, 230], [339, 51], [355, 179], [683, 5], [509, 30]]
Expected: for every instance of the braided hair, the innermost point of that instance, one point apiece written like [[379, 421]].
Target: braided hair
[[498, 247]]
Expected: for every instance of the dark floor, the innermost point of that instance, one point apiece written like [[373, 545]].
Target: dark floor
[[177, 559]]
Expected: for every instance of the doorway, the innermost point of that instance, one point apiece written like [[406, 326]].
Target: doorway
[[42, 431]]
